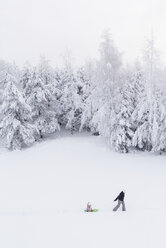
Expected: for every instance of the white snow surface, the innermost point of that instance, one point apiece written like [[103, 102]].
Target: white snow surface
[[44, 190]]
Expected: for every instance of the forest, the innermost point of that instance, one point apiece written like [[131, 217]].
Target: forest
[[124, 103]]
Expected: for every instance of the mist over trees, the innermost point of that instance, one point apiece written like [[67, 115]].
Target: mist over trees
[[126, 104]]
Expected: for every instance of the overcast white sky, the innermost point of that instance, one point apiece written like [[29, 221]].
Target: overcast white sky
[[30, 28]]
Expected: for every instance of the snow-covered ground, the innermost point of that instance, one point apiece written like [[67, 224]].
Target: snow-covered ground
[[44, 189]]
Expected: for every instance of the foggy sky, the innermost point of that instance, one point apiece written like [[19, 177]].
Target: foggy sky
[[30, 28]]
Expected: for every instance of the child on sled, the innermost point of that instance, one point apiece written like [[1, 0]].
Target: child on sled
[[89, 207]]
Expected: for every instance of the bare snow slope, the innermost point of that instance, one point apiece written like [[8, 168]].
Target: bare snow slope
[[44, 189]]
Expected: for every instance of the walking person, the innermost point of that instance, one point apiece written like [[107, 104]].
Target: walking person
[[120, 199]]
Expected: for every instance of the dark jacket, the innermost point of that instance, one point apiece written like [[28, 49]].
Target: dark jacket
[[120, 196]]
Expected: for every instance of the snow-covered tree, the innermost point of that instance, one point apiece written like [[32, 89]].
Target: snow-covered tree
[[84, 86], [149, 113], [50, 79], [71, 101], [121, 127], [89, 108], [140, 117], [90, 103], [16, 126], [110, 61], [39, 96], [6, 68], [151, 124], [104, 82], [116, 118]]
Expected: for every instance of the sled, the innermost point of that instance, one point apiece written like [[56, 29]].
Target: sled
[[93, 210]]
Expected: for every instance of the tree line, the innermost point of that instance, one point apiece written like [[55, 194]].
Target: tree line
[[126, 104]]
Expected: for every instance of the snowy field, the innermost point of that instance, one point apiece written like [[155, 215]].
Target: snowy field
[[44, 189]]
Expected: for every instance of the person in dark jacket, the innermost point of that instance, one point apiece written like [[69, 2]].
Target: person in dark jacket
[[120, 199]]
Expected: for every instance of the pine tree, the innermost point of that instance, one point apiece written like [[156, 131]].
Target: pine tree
[[140, 115], [116, 118], [71, 100], [84, 86], [145, 115], [107, 78], [121, 128], [159, 123], [90, 102], [40, 98], [16, 127], [50, 79]]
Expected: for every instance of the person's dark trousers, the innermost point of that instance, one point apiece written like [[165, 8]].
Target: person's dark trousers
[[118, 205]]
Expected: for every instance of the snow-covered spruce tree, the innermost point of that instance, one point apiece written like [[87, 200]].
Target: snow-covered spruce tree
[[110, 61], [159, 123], [50, 78], [149, 111], [83, 83], [105, 82], [115, 119], [105, 79], [71, 100], [84, 87], [121, 129], [140, 116], [16, 127], [148, 120], [3, 76], [160, 144], [117, 123], [90, 106], [26, 79], [90, 103], [6, 68], [151, 124], [39, 96]]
